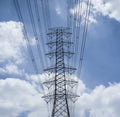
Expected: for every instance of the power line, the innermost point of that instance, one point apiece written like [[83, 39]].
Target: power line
[[48, 13], [42, 43], [84, 36], [35, 32], [73, 29], [17, 6], [78, 30], [44, 15]]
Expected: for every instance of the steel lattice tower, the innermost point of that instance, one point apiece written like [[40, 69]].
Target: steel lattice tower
[[58, 41]]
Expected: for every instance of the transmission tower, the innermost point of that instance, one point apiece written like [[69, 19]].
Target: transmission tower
[[60, 84]]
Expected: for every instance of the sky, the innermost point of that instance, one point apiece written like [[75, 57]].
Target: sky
[[99, 83]]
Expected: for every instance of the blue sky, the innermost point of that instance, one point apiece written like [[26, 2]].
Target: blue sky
[[102, 52], [99, 83]]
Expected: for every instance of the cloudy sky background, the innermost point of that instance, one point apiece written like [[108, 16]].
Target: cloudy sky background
[[99, 85]]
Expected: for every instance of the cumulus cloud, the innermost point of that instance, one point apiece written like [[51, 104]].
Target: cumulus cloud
[[108, 8], [37, 77], [11, 69], [19, 97], [80, 9], [13, 47], [11, 41], [100, 102]]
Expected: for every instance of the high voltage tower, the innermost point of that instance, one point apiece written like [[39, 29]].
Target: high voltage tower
[[65, 50], [59, 40]]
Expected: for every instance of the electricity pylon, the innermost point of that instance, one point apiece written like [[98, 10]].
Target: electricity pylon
[[61, 95]]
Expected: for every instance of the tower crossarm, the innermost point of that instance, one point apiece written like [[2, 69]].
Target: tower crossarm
[[68, 54], [52, 43], [70, 96], [51, 83], [70, 70]]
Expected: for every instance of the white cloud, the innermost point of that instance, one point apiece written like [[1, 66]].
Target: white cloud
[[33, 41], [19, 96], [11, 41], [37, 77], [100, 102], [11, 69], [78, 10], [58, 10], [108, 8]]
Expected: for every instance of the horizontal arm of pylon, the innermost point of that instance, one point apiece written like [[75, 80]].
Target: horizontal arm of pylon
[[63, 29], [68, 54], [72, 97], [52, 43], [67, 69], [64, 33], [70, 83]]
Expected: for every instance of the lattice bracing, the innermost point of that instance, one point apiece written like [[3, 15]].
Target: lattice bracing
[[59, 44]]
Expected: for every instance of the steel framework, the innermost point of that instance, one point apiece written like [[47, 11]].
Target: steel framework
[[59, 44]]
